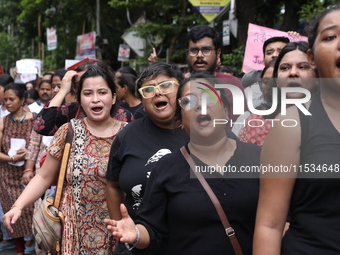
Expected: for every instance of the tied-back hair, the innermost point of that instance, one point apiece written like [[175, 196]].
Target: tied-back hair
[[129, 80], [85, 66], [127, 70], [19, 89], [108, 78], [60, 73], [301, 46]]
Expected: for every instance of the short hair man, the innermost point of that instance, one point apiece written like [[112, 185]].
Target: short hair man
[[203, 49], [45, 95], [203, 45], [272, 47]]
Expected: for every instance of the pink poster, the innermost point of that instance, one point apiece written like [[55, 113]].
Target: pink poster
[[257, 35], [86, 46]]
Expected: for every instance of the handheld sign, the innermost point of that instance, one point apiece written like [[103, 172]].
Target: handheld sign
[[257, 35]]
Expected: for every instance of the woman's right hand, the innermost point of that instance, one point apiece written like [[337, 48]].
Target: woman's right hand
[[11, 217], [20, 155], [66, 82], [123, 229]]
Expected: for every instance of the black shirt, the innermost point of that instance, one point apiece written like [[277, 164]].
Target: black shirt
[[134, 151], [315, 202], [132, 109], [180, 216]]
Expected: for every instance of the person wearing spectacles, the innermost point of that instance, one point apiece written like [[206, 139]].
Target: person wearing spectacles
[[203, 45], [144, 141], [203, 48], [176, 215]]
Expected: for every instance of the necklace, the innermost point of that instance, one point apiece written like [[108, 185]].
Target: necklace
[[323, 100], [22, 118]]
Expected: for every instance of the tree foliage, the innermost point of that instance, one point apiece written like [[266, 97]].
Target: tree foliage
[[168, 20], [24, 22], [234, 59]]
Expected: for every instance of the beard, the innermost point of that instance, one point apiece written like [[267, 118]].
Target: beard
[[211, 70]]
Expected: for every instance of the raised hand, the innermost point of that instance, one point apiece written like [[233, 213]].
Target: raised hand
[[153, 56], [66, 82]]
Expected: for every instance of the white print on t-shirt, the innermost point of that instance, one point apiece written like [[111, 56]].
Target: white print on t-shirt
[[157, 156], [136, 190]]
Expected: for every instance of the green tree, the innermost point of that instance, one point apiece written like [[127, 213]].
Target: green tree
[[24, 22], [167, 19]]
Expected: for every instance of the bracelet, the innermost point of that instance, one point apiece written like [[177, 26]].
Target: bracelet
[[12, 159], [28, 170], [16, 207], [134, 245]]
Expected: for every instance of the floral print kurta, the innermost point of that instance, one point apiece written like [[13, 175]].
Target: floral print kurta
[[84, 230]]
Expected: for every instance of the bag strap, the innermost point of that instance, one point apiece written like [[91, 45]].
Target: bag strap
[[63, 166], [230, 232]]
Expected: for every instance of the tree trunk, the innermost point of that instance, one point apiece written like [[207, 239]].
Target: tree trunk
[[291, 17], [180, 28], [245, 14]]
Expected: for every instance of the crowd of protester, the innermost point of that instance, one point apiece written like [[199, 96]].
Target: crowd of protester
[[129, 188]]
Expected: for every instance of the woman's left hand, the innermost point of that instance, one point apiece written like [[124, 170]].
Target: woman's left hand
[[123, 229]]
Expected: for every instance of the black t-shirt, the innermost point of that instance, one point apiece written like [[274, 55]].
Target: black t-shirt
[[140, 113], [131, 109], [180, 216], [134, 151]]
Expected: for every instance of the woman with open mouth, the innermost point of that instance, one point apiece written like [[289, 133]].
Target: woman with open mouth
[[144, 141], [83, 200], [310, 191], [176, 215], [292, 69]]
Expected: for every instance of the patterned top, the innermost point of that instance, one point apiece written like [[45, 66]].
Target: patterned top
[[84, 229], [10, 176], [255, 130], [37, 148]]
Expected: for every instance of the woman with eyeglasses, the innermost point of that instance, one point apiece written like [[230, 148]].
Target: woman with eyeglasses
[[176, 215], [144, 141], [292, 69]]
